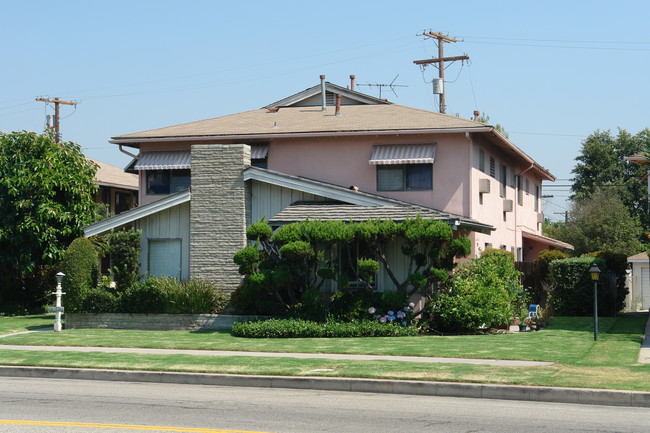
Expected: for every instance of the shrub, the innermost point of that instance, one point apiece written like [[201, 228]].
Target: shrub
[[100, 301], [252, 297], [483, 293], [144, 297], [310, 307], [351, 305], [81, 268], [157, 295], [573, 294], [297, 328], [124, 249], [195, 297]]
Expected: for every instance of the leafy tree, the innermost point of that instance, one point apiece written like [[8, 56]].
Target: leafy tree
[[46, 198], [602, 164], [601, 223], [484, 118], [124, 249]]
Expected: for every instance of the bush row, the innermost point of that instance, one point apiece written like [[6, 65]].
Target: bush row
[[298, 328], [157, 296]]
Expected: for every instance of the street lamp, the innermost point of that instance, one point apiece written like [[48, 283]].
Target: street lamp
[[594, 271], [58, 309]]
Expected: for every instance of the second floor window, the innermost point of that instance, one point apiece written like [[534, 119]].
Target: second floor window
[[167, 181], [407, 177]]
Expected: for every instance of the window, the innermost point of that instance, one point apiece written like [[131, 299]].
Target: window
[[165, 257], [536, 198], [493, 167], [527, 183], [504, 180], [520, 192], [167, 181], [481, 160], [260, 163], [408, 177]]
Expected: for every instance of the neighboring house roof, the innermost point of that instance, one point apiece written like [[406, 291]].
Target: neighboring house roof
[[638, 258], [638, 158], [137, 213], [333, 211], [109, 175], [546, 240]]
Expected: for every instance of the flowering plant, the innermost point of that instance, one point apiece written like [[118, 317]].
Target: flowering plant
[[402, 317]]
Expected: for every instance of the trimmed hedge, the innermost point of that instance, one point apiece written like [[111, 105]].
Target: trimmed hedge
[[573, 294], [80, 264], [297, 328]]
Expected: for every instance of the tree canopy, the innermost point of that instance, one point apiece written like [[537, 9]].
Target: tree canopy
[[602, 164], [46, 198], [601, 222]]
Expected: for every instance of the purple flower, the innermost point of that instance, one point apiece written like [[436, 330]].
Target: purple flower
[[391, 318], [411, 304], [403, 323], [371, 310], [401, 314], [406, 308], [382, 319], [390, 313]]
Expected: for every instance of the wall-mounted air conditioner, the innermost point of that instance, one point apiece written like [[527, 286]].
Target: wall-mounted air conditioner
[[508, 205], [484, 186]]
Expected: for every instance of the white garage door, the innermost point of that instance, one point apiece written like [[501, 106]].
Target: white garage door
[[645, 287], [165, 257]]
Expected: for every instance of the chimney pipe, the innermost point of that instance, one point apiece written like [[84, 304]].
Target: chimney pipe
[[338, 105], [476, 114], [352, 77], [322, 92]]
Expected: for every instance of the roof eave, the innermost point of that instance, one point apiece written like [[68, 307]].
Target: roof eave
[[125, 141]]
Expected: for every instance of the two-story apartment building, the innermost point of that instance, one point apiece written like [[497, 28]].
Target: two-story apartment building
[[325, 153]]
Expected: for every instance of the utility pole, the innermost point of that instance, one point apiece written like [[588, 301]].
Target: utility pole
[[56, 102], [566, 215], [440, 61]]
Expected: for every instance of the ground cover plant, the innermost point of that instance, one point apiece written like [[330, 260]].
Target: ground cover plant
[[578, 360]]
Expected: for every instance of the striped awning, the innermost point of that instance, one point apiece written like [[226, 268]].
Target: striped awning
[[168, 160], [259, 151], [403, 154]]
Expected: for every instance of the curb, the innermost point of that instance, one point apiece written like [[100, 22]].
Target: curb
[[440, 389]]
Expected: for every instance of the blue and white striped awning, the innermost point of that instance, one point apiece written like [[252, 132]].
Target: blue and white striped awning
[[402, 154], [164, 160]]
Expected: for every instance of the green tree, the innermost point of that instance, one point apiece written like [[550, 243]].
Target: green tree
[[601, 222], [602, 164], [46, 198]]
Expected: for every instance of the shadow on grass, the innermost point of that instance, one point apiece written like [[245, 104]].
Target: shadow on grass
[[625, 326]]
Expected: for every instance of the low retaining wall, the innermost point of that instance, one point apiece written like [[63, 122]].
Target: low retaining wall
[[154, 322]]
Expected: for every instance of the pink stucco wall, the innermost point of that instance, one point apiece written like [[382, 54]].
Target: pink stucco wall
[[344, 161]]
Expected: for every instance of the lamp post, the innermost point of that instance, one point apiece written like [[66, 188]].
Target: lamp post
[[594, 271], [58, 309]]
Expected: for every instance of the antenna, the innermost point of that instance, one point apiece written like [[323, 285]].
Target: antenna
[[390, 85], [438, 84]]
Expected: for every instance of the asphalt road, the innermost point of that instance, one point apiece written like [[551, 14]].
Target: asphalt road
[[43, 403]]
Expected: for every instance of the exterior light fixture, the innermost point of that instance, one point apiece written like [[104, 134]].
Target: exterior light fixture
[[594, 271]]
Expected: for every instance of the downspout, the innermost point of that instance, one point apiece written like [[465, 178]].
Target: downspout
[[322, 93], [470, 188], [126, 152], [516, 206]]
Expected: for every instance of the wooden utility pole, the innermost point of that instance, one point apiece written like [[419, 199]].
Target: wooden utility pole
[[440, 61], [56, 102]]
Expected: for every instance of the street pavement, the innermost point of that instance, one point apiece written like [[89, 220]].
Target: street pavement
[[470, 390]]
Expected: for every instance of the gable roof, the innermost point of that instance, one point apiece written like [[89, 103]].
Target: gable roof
[[305, 98], [137, 213]]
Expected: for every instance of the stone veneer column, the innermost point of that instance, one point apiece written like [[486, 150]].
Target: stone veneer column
[[218, 212]]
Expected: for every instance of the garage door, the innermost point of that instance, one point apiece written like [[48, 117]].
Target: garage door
[[165, 257]]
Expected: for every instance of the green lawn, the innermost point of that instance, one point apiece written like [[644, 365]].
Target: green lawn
[[568, 343]]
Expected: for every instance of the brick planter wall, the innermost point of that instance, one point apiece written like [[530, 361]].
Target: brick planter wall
[[154, 322]]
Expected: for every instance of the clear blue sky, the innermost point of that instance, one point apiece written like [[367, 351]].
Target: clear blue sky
[[551, 72]]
